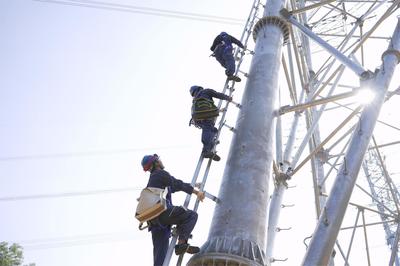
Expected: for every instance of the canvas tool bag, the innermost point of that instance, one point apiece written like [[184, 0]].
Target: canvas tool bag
[[151, 204]]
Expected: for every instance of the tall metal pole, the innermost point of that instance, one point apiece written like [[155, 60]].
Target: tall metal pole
[[326, 232], [279, 190], [238, 228], [280, 184]]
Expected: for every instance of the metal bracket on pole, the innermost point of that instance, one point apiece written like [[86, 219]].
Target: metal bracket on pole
[[323, 155], [289, 172], [230, 128], [244, 73], [325, 217], [281, 177], [250, 51], [354, 66], [345, 171], [212, 197], [238, 105], [392, 51], [278, 229], [273, 259]]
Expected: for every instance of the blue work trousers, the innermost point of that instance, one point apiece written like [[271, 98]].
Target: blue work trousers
[[160, 236], [209, 131], [224, 56], [185, 220]]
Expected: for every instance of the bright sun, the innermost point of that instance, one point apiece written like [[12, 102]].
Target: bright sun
[[364, 96]]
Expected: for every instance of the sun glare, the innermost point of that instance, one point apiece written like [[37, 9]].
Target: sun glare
[[365, 96]]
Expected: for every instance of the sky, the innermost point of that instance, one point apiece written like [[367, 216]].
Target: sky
[[85, 93]]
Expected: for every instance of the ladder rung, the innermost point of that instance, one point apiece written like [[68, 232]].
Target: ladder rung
[[230, 128], [244, 73], [238, 105], [212, 197]]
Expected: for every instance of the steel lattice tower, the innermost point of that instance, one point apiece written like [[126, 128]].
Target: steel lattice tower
[[308, 62]]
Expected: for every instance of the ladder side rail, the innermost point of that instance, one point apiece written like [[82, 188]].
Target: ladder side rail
[[186, 203], [200, 161]]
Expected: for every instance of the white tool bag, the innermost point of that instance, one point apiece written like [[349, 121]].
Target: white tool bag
[[151, 204]]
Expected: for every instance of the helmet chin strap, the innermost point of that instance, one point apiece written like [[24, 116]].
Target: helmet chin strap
[[156, 164]]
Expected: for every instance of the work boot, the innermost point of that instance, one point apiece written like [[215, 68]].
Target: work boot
[[185, 247], [210, 154], [234, 78]]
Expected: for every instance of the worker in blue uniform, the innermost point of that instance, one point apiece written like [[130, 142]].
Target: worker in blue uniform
[[183, 218], [204, 114], [223, 51]]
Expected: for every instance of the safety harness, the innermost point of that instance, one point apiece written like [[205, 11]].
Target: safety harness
[[203, 108]]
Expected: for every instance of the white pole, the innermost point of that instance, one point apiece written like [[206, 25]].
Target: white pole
[[238, 229]]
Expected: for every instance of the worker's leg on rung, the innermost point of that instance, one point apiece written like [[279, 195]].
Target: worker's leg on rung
[[185, 221], [160, 244], [229, 63], [219, 56], [208, 135]]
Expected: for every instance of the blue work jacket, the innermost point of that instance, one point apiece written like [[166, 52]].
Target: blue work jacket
[[162, 179]]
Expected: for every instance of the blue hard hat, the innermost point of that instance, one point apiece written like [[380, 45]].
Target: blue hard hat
[[194, 90], [148, 161]]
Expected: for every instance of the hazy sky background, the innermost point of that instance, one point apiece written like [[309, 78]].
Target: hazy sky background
[[84, 94]]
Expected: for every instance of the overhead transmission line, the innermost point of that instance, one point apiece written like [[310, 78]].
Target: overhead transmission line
[[69, 194], [147, 11], [84, 153], [61, 242]]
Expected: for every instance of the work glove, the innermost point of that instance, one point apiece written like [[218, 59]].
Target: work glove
[[201, 195]]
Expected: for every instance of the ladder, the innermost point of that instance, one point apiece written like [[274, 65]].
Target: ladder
[[239, 56]]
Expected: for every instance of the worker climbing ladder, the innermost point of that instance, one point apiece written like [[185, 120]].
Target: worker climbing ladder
[[229, 85]]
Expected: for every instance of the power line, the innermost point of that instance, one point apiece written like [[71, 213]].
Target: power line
[[70, 194], [83, 242], [70, 238], [155, 9], [85, 153], [146, 11], [60, 242]]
